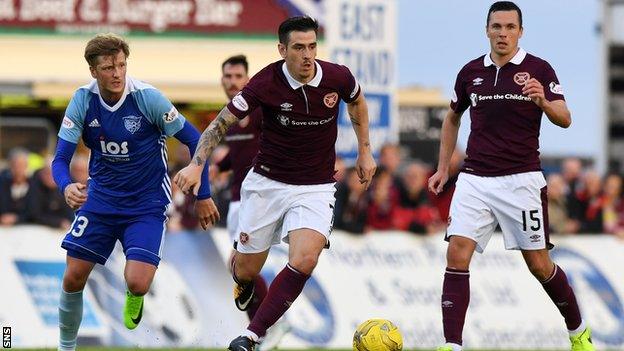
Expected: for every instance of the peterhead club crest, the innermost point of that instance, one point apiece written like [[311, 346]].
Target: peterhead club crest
[[132, 123]]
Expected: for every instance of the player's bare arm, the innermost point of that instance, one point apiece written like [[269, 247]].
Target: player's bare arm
[[75, 195], [556, 110], [448, 141], [189, 178], [365, 163]]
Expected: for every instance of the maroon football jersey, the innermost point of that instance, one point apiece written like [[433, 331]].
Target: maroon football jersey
[[505, 124], [297, 145], [243, 140]]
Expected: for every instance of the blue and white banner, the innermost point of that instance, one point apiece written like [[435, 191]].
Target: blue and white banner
[[390, 275], [361, 34], [398, 276], [189, 304]]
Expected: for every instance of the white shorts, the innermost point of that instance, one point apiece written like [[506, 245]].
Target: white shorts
[[517, 202], [232, 220], [270, 209]]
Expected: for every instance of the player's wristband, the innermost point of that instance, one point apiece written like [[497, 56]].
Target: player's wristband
[[204, 188]]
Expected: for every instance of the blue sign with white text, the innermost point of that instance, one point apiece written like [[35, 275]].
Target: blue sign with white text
[[43, 281]]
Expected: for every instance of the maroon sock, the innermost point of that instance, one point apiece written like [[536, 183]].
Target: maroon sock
[[283, 291], [561, 293], [260, 292], [455, 299]]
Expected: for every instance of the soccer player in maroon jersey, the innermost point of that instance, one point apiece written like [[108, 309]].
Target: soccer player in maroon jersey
[[501, 181], [243, 140], [289, 195]]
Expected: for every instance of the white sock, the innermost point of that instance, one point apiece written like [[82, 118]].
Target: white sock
[[455, 347], [70, 316], [581, 328], [248, 333]]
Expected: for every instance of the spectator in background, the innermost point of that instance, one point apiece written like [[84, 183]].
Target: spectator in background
[[221, 184], [182, 214], [181, 159], [390, 159], [383, 202], [340, 168], [14, 185], [351, 204], [79, 168], [443, 200], [572, 170], [415, 212], [589, 199], [613, 206], [46, 205], [559, 207]]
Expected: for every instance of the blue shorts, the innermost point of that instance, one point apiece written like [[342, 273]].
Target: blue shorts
[[92, 236]]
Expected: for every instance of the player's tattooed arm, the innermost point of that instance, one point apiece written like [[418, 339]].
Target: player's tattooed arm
[[211, 137], [358, 114], [365, 163]]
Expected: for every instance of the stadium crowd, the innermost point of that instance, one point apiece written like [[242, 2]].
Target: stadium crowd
[[580, 200]]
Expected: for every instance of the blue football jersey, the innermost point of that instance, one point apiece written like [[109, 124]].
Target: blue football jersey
[[128, 161]]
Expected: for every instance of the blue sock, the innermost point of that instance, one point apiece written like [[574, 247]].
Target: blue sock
[[70, 316]]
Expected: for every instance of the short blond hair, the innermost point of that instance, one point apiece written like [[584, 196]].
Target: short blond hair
[[105, 44]]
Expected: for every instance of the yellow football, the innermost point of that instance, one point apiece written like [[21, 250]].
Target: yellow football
[[377, 335]]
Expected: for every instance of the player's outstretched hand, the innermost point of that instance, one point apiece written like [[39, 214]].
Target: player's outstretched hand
[[437, 181], [207, 213], [189, 178], [365, 167], [75, 195]]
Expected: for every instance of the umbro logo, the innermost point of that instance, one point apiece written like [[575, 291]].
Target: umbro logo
[[447, 304], [477, 81], [286, 106], [94, 124]]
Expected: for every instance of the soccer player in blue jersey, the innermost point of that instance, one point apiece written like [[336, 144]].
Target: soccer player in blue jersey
[[125, 123]]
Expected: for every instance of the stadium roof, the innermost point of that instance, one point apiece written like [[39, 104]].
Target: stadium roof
[[185, 69]]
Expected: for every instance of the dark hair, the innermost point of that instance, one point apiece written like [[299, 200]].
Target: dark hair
[[236, 60], [504, 6], [105, 45], [299, 24]]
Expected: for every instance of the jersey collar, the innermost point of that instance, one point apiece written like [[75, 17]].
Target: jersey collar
[[516, 60], [295, 84], [96, 90]]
